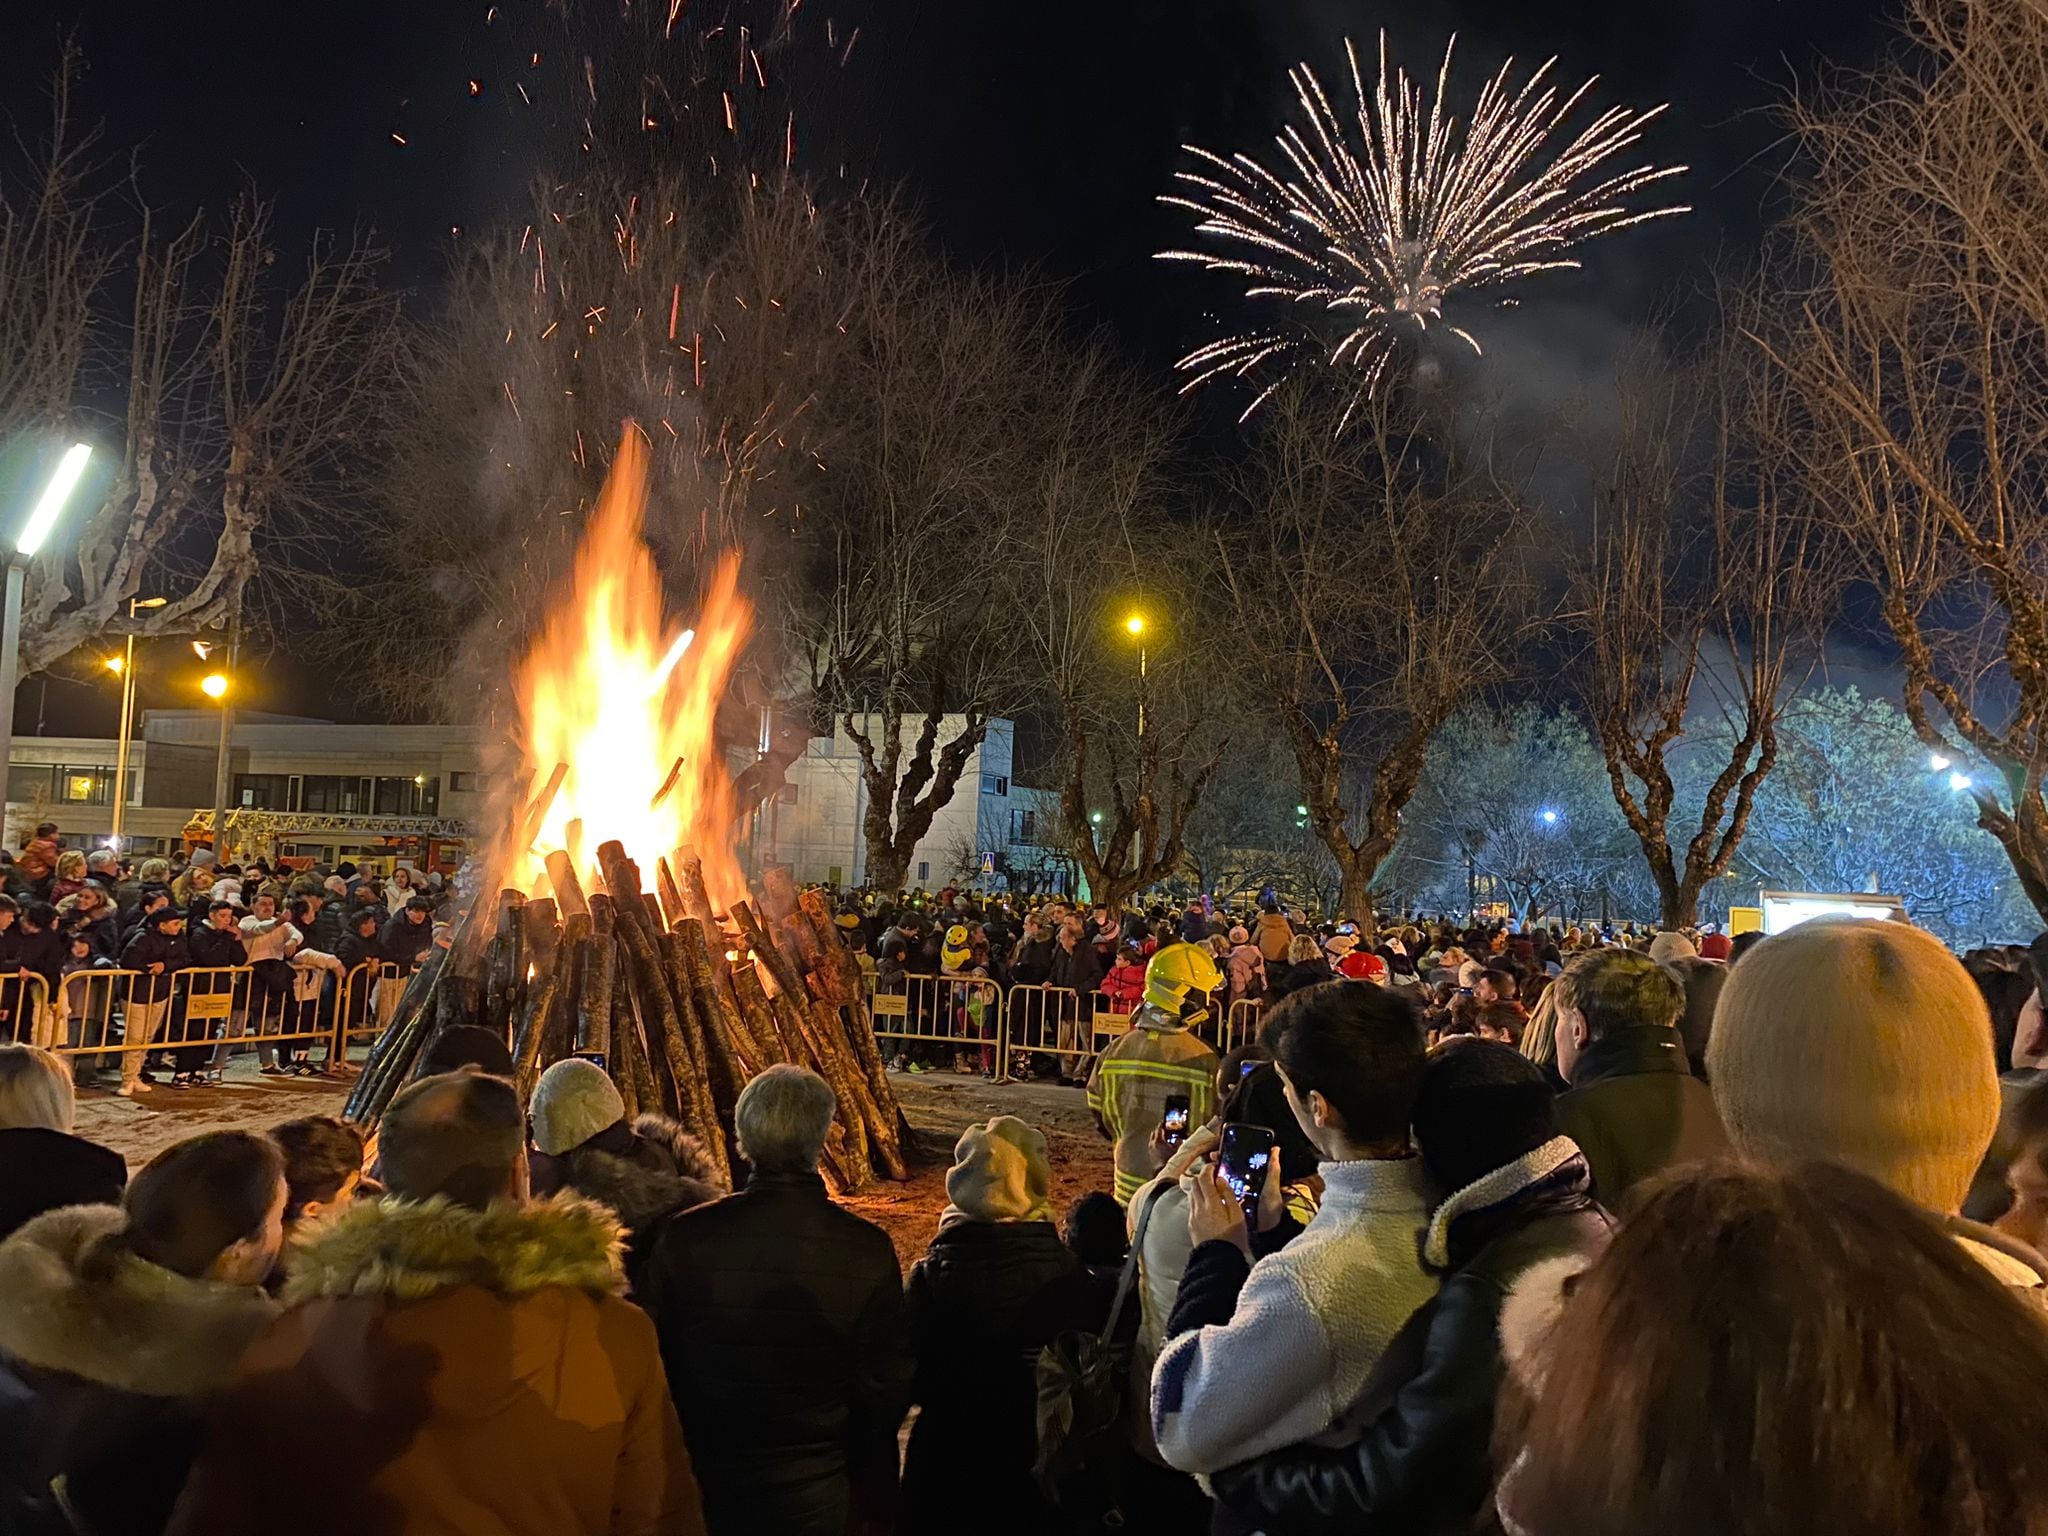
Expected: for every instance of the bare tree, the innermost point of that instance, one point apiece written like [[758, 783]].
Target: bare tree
[[1916, 340], [1138, 735], [931, 470], [242, 406], [1699, 585], [1374, 578]]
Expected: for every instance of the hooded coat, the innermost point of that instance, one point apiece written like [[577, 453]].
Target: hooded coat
[[645, 1172], [102, 1372], [441, 1369]]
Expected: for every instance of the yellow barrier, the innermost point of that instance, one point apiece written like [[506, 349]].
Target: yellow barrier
[[1044, 1020], [961, 1011]]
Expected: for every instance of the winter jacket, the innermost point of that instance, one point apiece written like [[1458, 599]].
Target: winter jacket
[[982, 1301], [644, 1172], [1636, 1109], [1422, 1463], [1131, 1081], [102, 1376], [1246, 969], [405, 942], [1273, 934], [103, 932], [43, 1170], [1287, 1357], [212, 948], [1078, 969], [1031, 965], [1307, 973], [439, 1369], [781, 1324], [269, 940], [899, 959], [152, 946], [1125, 986], [354, 950]]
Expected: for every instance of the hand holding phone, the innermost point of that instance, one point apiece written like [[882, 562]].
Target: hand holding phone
[[1246, 1156], [1173, 1125]]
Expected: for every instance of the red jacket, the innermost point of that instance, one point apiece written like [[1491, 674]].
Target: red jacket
[[1125, 986]]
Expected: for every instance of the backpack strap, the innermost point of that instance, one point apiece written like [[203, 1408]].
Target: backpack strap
[[1130, 1270]]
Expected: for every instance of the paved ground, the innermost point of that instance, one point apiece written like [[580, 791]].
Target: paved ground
[[939, 1107]]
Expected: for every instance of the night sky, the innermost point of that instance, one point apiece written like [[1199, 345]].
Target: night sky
[[1025, 136]]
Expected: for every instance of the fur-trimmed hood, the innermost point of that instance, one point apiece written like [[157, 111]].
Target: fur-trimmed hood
[[662, 1169], [140, 1328], [407, 1250]]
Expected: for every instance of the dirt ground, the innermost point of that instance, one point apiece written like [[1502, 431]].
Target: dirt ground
[[939, 1108]]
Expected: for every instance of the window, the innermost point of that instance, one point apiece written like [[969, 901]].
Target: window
[[416, 796], [833, 875], [469, 783], [785, 794], [1022, 826], [27, 783], [262, 791], [994, 784], [330, 792], [86, 786], [924, 873]]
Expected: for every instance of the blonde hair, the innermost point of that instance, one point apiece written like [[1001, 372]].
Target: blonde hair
[[1302, 947], [35, 1090], [71, 865], [153, 871], [1539, 1035]]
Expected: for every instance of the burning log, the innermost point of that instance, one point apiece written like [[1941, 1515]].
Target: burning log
[[540, 1003], [696, 895], [594, 996], [568, 889], [671, 898], [837, 978]]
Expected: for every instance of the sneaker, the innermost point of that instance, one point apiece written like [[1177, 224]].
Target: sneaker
[[303, 1069], [918, 1069], [129, 1090], [181, 1080], [272, 1069]]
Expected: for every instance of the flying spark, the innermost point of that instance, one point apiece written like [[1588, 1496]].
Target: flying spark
[[1378, 226]]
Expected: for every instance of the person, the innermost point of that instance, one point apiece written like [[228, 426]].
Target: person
[[156, 952], [271, 942], [459, 1354], [1093, 1230], [70, 878], [1842, 1366], [1269, 1354], [1306, 965], [1124, 986], [1702, 979], [1157, 1057], [899, 953], [993, 1289], [1866, 1044], [645, 1170], [1539, 1039], [1502, 1021], [1515, 1194], [1246, 967], [323, 1165], [42, 1164], [38, 861], [119, 1324], [215, 945], [88, 910], [407, 933], [1077, 967], [782, 1329], [467, 1045], [1634, 1107], [400, 889], [2025, 1215], [1274, 935]]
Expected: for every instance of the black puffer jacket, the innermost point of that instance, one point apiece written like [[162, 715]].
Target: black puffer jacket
[[781, 1326], [645, 1171], [1422, 1467], [985, 1298]]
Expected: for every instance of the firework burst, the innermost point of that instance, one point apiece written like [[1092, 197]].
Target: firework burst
[[1378, 226]]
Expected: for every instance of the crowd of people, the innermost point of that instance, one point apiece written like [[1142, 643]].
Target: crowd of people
[[66, 914], [1618, 1234]]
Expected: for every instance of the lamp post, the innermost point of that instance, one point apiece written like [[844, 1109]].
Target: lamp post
[[215, 686], [41, 519], [124, 665], [1135, 627]]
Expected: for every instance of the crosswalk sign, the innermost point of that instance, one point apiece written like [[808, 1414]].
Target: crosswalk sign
[[988, 863]]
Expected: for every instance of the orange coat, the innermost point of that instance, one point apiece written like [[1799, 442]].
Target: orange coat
[[446, 1372]]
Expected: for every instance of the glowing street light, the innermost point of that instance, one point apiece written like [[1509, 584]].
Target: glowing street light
[[1549, 818], [214, 685], [1095, 817], [1936, 762], [42, 519], [1134, 626], [1959, 782]]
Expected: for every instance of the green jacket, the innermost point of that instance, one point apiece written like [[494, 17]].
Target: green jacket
[[1636, 1109]]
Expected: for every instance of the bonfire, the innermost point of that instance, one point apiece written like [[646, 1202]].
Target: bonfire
[[683, 991]]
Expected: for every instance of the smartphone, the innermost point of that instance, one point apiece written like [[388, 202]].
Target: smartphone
[[1246, 1151], [595, 1058], [1248, 1066], [1174, 1124]]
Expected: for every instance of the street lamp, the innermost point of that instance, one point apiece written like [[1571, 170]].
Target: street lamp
[[1549, 818], [215, 686], [42, 518], [1936, 762], [1959, 782], [1134, 626], [124, 667]]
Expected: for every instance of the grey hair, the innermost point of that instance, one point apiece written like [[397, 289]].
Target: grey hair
[[35, 1090], [781, 1119]]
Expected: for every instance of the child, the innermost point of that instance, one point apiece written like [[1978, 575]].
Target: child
[[1125, 984], [84, 1005], [323, 1169]]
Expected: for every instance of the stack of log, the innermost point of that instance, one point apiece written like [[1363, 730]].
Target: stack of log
[[682, 1005]]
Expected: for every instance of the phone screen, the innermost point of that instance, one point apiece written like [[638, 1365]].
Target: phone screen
[[1248, 1066], [1174, 1124], [1247, 1149]]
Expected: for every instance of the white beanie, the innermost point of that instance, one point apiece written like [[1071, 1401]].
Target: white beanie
[[1672, 945], [1001, 1172], [572, 1102], [1859, 1042], [227, 890]]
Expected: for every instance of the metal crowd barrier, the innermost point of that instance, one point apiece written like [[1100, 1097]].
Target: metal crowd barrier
[[105, 1012], [1241, 1024], [965, 1012]]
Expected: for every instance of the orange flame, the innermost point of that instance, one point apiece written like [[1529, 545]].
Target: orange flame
[[620, 694]]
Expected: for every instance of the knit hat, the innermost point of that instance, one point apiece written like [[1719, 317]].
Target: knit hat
[[227, 890], [1671, 945], [1239, 935], [1339, 944], [572, 1102], [1001, 1172], [1479, 1106], [1860, 1042], [203, 858]]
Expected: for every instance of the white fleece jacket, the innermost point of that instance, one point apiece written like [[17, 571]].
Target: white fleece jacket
[[1311, 1322]]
